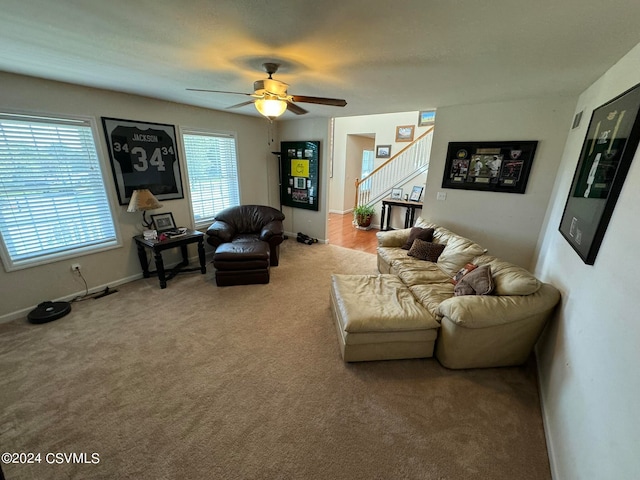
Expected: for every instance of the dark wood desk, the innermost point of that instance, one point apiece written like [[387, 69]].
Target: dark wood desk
[[409, 216], [157, 247]]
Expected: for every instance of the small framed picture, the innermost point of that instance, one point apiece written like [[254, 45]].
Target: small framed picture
[[396, 194], [300, 182], [163, 222], [416, 193], [383, 151], [404, 133], [426, 118]]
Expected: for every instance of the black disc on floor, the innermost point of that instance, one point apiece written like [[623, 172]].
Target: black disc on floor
[[49, 311]]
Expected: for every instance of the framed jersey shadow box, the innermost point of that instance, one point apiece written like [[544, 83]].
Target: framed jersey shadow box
[[143, 155]]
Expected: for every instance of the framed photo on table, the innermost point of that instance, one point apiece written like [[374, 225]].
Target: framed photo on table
[[608, 149], [416, 193], [163, 222], [396, 194], [143, 155]]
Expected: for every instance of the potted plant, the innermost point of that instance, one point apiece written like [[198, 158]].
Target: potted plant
[[363, 215]]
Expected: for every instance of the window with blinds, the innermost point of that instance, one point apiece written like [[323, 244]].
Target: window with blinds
[[212, 168], [53, 203]]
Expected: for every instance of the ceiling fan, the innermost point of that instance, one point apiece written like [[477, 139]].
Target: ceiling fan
[[271, 98]]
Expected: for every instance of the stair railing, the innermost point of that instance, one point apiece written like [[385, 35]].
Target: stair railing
[[408, 162]]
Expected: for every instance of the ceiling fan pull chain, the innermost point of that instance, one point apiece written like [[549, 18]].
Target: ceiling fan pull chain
[[270, 132]]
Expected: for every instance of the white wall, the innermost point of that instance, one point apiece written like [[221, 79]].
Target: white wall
[[589, 355], [507, 224], [309, 222], [22, 290]]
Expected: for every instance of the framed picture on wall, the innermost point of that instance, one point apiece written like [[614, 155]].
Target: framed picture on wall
[[608, 149], [300, 174], [404, 133], [383, 151], [426, 118], [300, 183], [143, 155], [489, 166]]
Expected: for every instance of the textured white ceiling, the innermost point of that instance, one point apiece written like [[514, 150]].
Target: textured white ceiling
[[380, 56]]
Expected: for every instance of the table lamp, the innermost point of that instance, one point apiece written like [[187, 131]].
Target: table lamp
[[144, 200]]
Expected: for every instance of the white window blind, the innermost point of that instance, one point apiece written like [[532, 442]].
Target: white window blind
[[213, 173], [53, 202]]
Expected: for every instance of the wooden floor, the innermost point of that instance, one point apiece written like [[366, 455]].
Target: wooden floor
[[343, 232]]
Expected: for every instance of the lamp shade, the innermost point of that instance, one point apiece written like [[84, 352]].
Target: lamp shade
[[143, 200], [271, 108]]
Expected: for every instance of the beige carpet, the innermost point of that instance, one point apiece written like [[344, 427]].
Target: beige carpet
[[200, 382]]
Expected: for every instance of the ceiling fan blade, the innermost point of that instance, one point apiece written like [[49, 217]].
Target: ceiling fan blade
[[218, 91], [335, 102], [293, 108], [249, 102]]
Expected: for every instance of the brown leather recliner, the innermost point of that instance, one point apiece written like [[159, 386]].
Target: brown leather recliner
[[249, 223]]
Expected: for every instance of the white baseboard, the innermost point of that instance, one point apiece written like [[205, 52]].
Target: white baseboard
[[67, 298], [545, 421], [293, 236], [23, 313]]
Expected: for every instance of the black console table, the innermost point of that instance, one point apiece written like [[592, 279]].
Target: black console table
[[409, 216], [157, 247]]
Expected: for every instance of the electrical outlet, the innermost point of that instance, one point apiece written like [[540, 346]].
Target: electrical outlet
[[75, 267], [442, 196]]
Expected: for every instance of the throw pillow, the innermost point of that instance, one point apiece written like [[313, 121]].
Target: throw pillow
[[462, 272], [425, 234], [476, 282], [425, 250]]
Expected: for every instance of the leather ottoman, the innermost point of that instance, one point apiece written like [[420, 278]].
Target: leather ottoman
[[378, 318], [242, 263]]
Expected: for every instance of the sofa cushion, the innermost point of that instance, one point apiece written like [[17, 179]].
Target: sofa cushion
[[393, 238], [425, 234], [377, 303], [509, 279], [417, 272], [458, 252], [393, 255], [426, 250], [462, 272], [422, 223], [476, 282], [431, 296]]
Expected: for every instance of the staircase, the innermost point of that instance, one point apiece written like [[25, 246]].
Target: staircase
[[409, 162]]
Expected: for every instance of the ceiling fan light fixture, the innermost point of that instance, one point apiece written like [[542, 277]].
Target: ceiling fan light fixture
[[272, 99], [270, 108]]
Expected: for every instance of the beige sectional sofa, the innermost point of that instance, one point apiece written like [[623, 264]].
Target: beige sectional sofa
[[473, 331]]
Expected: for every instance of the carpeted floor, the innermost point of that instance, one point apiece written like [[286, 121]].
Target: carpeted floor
[[246, 382]]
